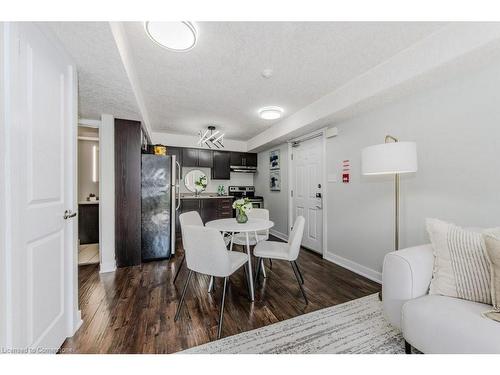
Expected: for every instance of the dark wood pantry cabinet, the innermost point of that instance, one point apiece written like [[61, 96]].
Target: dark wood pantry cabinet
[[127, 192]]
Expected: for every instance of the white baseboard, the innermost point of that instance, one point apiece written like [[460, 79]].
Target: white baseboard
[[354, 267], [280, 235], [107, 267], [77, 323]]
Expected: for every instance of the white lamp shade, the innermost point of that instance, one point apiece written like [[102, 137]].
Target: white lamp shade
[[389, 158]]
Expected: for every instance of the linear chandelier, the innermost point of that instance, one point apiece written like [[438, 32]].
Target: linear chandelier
[[211, 138]]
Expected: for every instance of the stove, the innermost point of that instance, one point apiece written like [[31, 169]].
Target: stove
[[247, 192]]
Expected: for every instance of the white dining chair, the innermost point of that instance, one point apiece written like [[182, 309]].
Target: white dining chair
[[288, 251], [187, 218], [263, 235], [206, 253]]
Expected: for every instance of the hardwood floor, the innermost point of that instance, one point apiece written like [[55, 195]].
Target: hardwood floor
[[132, 310]]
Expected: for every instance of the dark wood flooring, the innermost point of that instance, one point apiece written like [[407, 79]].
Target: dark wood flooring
[[132, 310]]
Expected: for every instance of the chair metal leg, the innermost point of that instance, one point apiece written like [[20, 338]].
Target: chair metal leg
[[180, 266], [257, 271], [263, 268], [407, 347], [247, 279], [270, 264], [211, 284], [179, 308], [300, 284], [298, 269], [221, 317]]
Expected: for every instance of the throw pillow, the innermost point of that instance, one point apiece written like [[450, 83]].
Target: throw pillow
[[461, 265], [493, 250]]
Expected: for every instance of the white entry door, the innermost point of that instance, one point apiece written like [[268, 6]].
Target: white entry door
[[41, 140], [307, 190]]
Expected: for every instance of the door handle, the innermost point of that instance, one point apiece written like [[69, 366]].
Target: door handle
[[68, 214], [177, 186]]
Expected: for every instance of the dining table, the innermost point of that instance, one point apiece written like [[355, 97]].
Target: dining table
[[252, 226]]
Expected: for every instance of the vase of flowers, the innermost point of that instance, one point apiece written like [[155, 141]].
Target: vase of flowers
[[242, 207], [200, 184]]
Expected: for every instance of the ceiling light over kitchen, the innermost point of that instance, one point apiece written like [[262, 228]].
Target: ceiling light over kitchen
[[270, 113], [175, 36]]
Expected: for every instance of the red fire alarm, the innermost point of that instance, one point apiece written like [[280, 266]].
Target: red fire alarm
[[345, 178]]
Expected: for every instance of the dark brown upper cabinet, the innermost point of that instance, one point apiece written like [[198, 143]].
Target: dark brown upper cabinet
[[205, 158], [245, 159], [221, 169], [194, 157], [189, 157]]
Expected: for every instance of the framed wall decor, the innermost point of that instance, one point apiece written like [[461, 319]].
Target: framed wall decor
[[274, 159], [275, 180]]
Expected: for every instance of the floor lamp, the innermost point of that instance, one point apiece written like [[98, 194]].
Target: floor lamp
[[394, 158]]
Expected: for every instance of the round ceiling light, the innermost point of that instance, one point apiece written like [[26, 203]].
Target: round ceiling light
[[270, 113], [174, 36]]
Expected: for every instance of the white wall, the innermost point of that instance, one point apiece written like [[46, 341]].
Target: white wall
[[457, 130], [275, 201], [181, 140], [107, 193], [4, 274], [237, 179]]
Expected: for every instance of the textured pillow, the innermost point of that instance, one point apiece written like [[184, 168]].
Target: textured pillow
[[461, 265], [493, 250]]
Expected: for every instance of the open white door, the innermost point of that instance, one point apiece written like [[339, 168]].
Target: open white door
[[307, 180], [41, 123]]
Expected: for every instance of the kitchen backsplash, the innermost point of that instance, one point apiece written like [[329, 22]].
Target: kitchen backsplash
[[237, 179]]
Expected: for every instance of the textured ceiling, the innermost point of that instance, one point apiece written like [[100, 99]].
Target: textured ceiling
[[103, 85], [219, 81]]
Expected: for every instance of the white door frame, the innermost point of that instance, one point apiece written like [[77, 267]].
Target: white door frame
[[96, 124], [106, 191], [318, 133]]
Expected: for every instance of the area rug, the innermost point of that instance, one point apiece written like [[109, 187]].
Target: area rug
[[354, 327]]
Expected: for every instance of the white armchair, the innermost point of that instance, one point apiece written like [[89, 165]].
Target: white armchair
[[432, 323]]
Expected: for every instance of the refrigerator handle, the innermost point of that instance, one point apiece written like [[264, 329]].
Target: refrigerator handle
[[177, 186]]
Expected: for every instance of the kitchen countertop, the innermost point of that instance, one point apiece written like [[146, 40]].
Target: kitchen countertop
[[204, 196], [88, 202]]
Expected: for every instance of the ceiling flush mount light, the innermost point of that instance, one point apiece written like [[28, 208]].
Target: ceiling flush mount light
[[270, 113], [174, 36]]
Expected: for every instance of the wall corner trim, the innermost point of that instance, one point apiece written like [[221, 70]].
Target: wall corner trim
[[354, 267], [107, 267]]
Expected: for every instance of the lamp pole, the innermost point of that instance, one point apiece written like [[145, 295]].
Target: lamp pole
[[389, 139]]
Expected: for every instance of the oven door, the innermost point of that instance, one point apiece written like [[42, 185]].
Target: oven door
[[257, 204]]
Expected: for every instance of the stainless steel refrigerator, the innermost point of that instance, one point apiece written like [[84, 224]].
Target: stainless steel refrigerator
[[159, 202]]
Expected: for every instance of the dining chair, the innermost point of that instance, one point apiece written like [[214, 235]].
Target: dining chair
[[187, 218], [263, 235], [288, 251], [206, 253]]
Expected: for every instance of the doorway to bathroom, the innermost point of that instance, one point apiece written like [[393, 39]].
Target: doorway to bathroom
[[88, 195]]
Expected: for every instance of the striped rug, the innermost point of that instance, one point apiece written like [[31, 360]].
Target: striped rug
[[354, 327]]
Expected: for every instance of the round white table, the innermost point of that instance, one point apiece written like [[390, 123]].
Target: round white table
[[232, 226]]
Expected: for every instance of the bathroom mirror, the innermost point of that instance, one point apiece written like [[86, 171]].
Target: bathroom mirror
[[196, 181]]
